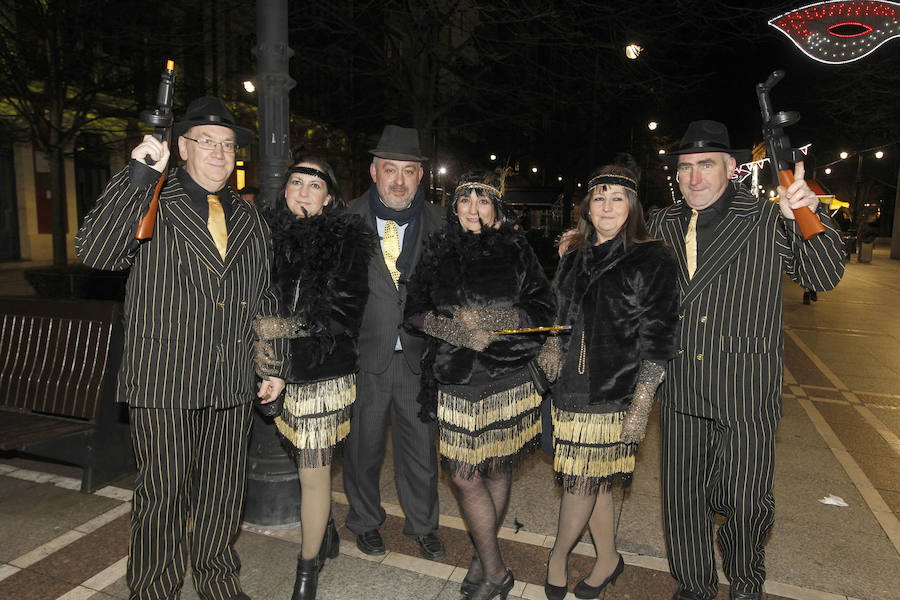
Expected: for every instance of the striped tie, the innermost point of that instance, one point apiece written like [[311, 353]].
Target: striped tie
[[390, 247], [216, 224], [690, 244]]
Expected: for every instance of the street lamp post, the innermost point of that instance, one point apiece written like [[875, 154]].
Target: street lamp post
[[273, 489]]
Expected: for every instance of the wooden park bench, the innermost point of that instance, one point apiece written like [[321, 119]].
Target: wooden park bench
[[58, 366]]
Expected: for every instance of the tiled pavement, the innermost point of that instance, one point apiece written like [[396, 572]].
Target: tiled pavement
[[839, 437]]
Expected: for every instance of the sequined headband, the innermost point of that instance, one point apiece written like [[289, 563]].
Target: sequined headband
[[311, 171], [614, 180], [479, 186]]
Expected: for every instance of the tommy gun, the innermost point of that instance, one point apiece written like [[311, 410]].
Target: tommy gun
[[161, 118], [780, 151]]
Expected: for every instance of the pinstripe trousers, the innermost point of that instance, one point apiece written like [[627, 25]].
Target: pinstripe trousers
[[708, 468], [379, 397], [188, 498]]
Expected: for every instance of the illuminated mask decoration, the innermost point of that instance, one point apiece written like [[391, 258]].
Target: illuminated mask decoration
[[840, 32]]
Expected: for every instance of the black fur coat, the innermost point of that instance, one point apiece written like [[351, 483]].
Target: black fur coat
[[629, 300], [321, 274], [496, 267]]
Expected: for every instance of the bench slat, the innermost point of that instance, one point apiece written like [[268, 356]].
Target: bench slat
[[18, 429], [53, 366]]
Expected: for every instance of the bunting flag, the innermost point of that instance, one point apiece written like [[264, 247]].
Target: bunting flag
[[838, 31], [741, 172]]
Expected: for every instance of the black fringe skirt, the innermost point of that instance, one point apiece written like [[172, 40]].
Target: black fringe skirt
[[587, 453], [488, 425], [316, 418]]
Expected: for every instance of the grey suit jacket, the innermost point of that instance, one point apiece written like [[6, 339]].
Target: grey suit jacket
[[729, 362], [383, 318], [188, 313]]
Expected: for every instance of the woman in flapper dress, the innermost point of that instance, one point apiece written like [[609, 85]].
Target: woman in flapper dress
[[618, 291], [320, 271], [479, 275]]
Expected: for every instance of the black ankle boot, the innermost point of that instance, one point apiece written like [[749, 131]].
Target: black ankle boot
[[307, 579]]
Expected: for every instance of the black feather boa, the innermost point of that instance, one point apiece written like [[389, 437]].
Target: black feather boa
[[320, 272], [496, 267]]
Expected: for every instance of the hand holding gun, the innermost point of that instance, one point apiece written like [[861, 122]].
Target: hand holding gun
[[780, 152], [161, 118]]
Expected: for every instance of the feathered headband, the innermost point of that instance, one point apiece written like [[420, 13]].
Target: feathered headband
[[474, 185]]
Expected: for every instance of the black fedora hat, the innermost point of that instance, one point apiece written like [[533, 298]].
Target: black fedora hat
[[399, 143], [210, 110], [707, 136]]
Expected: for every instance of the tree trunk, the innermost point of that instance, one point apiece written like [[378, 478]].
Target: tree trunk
[[57, 160]]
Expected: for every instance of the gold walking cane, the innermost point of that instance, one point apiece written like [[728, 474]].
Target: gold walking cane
[[555, 329]]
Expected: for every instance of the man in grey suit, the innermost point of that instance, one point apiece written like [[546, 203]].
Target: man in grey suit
[[187, 376], [388, 380], [721, 397]]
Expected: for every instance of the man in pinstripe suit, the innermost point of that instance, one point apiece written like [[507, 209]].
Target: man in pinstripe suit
[[721, 398], [389, 357], [187, 376]]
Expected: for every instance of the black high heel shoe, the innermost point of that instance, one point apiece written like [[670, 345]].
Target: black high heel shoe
[[488, 590], [468, 586], [556, 592], [583, 590]]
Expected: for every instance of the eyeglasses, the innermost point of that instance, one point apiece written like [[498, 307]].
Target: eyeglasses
[[208, 144]]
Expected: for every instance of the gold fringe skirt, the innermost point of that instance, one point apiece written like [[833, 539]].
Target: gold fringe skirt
[[316, 418], [587, 453], [488, 427]]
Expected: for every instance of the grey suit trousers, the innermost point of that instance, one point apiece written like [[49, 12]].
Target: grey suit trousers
[[381, 398]]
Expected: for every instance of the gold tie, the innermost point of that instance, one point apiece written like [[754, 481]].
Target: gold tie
[[216, 224], [390, 247], [690, 244]]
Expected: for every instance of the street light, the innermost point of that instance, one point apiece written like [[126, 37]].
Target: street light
[[652, 125], [879, 154], [534, 169], [249, 87], [442, 170], [828, 170], [632, 51], [493, 157], [844, 155]]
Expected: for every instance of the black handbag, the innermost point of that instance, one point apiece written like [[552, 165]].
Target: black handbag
[[541, 383]]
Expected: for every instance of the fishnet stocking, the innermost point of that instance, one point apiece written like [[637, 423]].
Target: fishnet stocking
[[482, 500], [315, 506], [498, 484]]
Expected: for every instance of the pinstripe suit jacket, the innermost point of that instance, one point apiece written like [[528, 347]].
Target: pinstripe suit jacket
[[383, 318], [187, 312], [729, 362]]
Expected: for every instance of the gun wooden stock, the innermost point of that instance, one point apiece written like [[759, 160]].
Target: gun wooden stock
[[148, 223], [810, 225]]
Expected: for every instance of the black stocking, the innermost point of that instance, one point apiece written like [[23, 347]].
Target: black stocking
[[498, 485], [480, 514], [574, 512]]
